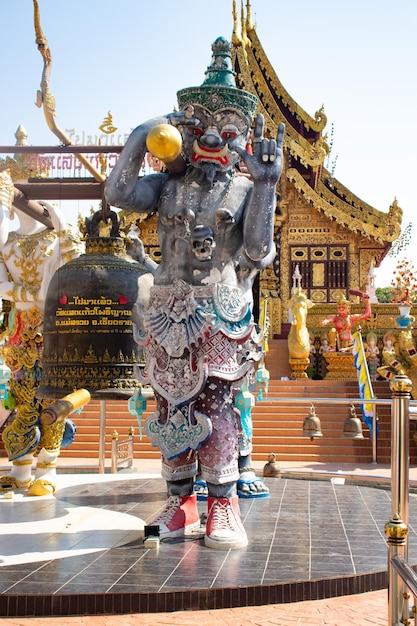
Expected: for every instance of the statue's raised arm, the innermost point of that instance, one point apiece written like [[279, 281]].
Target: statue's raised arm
[[265, 168]]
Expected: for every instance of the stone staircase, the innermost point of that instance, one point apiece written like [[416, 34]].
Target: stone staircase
[[277, 423], [277, 426]]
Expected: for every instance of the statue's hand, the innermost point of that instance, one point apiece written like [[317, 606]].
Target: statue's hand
[[265, 165], [184, 118], [55, 215], [135, 249]]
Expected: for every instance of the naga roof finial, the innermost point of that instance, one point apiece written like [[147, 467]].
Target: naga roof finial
[[45, 98], [41, 40], [236, 37], [245, 39], [249, 23]]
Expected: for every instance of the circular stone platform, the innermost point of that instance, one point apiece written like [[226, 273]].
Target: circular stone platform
[[82, 552]]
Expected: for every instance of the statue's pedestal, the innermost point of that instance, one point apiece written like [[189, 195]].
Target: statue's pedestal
[[340, 366], [298, 368]]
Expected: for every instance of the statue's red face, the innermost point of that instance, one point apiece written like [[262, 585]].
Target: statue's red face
[[208, 141], [343, 310]]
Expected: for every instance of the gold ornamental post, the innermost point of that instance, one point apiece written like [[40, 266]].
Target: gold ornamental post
[[397, 528]]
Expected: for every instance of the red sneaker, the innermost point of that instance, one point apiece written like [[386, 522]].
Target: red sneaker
[[179, 516], [224, 529]]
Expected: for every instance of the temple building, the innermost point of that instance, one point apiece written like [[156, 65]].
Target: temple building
[[334, 237]]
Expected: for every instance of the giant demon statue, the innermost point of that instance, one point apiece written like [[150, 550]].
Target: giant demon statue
[[215, 233]]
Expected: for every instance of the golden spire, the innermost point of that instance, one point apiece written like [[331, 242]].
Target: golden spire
[[21, 136], [22, 140], [236, 38], [249, 23], [245, 39]]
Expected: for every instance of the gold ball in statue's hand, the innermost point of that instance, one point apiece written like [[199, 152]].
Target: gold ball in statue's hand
[[164, 142]]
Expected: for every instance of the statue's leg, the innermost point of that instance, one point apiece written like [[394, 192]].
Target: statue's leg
[[45, 474], [49, 446], [249, 485], [20, 440], [180, 514], [219, 467], [20, 475]]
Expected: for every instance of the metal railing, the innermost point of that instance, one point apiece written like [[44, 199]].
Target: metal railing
[[399, 572], [409, 578], [401, 577], [121, 451]]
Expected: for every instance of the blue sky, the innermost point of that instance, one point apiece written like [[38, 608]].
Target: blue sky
[[356, 58]]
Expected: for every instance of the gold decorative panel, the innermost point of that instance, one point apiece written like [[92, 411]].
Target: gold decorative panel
[[299, 254], [318, 253], [275, 316], [318, 295], [338, 254], [318, 274], [337, 294]]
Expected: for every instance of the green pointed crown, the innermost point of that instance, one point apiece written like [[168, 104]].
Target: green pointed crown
[[219, 90]]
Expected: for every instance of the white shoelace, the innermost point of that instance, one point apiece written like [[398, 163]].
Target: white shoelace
[[223, 516], [172, 506]]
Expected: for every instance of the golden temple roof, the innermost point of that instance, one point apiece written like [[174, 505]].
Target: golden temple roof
[[305, 144]]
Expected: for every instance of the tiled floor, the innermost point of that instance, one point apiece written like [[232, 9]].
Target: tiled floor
[[82, 551]]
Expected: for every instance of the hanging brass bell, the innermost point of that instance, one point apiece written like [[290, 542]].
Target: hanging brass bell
[[352, 427], [311, 425], [89, 315]]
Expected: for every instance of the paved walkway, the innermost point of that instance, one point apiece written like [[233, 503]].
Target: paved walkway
[[365, 609]]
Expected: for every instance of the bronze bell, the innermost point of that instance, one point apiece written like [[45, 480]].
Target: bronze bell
[[272, 468], [352, 427], [88, 321], [311, 425]]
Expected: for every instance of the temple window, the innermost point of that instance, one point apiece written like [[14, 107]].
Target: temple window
[[324, 270]]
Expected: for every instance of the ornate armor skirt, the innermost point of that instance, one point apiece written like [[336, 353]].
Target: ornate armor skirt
[[195, 351]]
